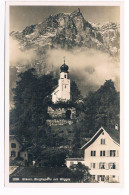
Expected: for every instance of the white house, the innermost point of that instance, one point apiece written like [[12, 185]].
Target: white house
[[101, 155], [62, 92]]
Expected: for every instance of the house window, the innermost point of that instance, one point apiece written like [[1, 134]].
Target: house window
[[102, 165], [102, 153], [71, 163], [112, 166], [93, 177], [65, 75], [102, 141], [93, 153], [102, 177], [112, 152], [13, 145], [92, 165], [113, 176], [13, 153]]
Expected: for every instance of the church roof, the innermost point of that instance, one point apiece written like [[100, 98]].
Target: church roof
[[64, 68]]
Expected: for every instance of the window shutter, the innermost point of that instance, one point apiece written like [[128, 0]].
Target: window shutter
[[117, 166], [117, 153], [96, 165], [107, 153], [107, 167]]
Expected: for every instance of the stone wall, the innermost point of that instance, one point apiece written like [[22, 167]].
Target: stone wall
[[62, 113], [55, 122]]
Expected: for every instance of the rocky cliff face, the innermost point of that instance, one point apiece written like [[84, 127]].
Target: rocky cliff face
[[68, 30]]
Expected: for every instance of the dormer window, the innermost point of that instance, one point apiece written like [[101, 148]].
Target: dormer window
[[102, 142]]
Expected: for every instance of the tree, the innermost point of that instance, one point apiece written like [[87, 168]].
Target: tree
[[30, 100], [81, 173], [75, 93], [76, 141], [52, 157], [102, 108]]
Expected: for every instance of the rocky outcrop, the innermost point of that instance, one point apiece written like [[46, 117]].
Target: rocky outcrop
[[68, 30]]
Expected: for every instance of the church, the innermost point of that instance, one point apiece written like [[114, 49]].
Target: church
[[59, 114], [62, 92]]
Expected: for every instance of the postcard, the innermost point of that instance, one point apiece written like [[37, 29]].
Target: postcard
[[63, 77]]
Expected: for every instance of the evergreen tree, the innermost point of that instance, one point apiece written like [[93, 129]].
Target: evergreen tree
[[29, 115], [102, 108], [75, 93]]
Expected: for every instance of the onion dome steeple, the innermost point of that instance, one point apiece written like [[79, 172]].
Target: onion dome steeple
[[64, 67]]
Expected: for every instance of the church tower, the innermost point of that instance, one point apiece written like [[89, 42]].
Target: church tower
[[62, 92]]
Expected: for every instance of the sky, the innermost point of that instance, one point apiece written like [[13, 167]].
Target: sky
[[22, 16]]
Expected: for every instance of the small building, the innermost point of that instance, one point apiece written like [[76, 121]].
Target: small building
[[101, 155], [61, 111], [62, 92], [16, 148], [74, 161]]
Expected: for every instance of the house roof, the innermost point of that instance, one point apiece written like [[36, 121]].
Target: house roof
[[43, 172], [75, 159], [15, 137], [97, 134]]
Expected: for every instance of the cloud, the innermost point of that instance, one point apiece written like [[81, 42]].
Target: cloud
[[88, 67], [19, 57]]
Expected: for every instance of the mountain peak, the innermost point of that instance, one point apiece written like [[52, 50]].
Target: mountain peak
[[68, 30], [77, 12]]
